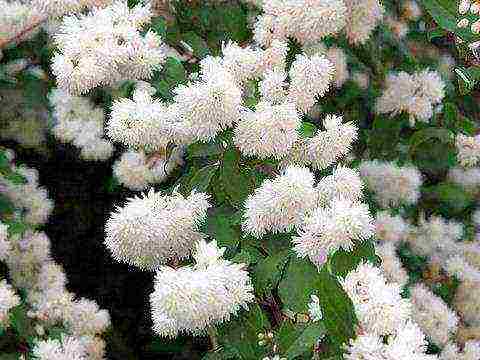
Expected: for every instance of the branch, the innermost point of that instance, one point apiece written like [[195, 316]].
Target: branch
[[23, 32]]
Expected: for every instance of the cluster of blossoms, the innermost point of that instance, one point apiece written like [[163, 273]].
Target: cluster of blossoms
[[328, 217], [8, 300], [362, 18], [14, 18], [416, 94], [79, 122], [192, 298], [383, 315], [30, 198], [104, 47], [151, 231], [32, 268], [392, 185], [468, 150]]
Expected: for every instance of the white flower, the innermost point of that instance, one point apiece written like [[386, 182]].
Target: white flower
[[433, 315], [132, 171], [392, 185], [330, 145], [391, 264], [152, 230], [362, 18], [310, 77], [468, 148], [328, 229], [344, 183], [270, 131], [390, 229], [190, 299], [8, 300], [281, 204]]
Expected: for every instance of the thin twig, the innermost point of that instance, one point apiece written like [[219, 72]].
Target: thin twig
[[20, 34]]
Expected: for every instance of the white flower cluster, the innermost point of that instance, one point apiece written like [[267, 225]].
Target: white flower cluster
[[435, 238], [325, 147], [434, 317], [192, 298], [304, 20], [468, 150], [363, 16], [337, 57], [414, 94], [328, 217], [269, 131], [150, 231], [392, 185], [391, 264], [390, 229], [105, 47], [280, 204], [4, 244], [8, 300], [31, 198], [387, 330], [57, 8], [67, 348], [79, 122], [471, 351], [136, 171]]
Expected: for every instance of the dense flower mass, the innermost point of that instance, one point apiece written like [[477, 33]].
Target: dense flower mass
[[191, 298], [151, 230], [105, 47]]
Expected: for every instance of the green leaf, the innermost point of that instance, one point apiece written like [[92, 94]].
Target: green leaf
[[436, 33], [240, 336], [174, 71], [269, 271], [220, 228], [204, 150], [198, 45], [305, 342], [338, 312], [295, 288], [307, 129], [6, 206], [342, 262], [444, 12], [201, 179], [235, 180], [443, 135], [159, 25], [450, 199]]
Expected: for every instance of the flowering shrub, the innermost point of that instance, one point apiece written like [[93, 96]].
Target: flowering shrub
[[260, 179]]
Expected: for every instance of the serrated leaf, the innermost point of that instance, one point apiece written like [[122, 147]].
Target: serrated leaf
[[307, 129]]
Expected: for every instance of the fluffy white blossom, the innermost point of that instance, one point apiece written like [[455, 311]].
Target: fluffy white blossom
[[273, 86], [414, 94], [363, 16], [391, 264], [310, 77], [390, 229], [471, 351], [466, 302], [150, 231], [326, 230], [392, 185], [192, 298], [435, 237], [14, 18], [280, 204], [68, 348], [434, 317], [469, 179], [336, 56], [145, 122], [468, 150], [209, 105], [305, 20], [344, 183], [8, 300], [132, 170], [379, 307], [330, 145], [4, 243], [104, 47], [269, 131], [84, 317]]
